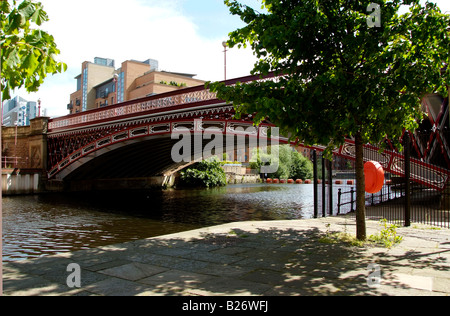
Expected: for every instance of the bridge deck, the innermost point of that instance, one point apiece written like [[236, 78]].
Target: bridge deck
[[74, 136]]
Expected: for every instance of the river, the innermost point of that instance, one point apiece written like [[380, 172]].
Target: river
[[39, 225]]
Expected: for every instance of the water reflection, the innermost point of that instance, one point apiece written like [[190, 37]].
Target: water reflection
[[34, 226]]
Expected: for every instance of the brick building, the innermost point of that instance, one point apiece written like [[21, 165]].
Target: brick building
[[100, 84]]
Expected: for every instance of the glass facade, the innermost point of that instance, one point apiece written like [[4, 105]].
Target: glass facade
[[104, 90], [120, 87], [18, 110], [85, 88], [104, 61]]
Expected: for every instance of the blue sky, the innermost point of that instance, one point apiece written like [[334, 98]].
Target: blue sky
[[183, 35], [212, 16]]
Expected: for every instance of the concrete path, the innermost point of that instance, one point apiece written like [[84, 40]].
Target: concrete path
[[276, 258]]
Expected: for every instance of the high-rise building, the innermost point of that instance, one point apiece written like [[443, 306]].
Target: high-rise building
[[91, 75], [100, 84], [18, 110]]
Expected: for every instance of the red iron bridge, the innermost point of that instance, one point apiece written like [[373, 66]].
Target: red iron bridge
[[133, 139]]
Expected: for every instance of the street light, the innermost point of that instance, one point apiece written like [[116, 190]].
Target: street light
[[224, 44], [39, 107]]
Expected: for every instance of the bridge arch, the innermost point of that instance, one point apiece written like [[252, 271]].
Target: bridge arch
[[81, 145], [147, 150]]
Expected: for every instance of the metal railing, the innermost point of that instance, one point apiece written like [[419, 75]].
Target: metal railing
[[13, 162], [165, 100], [389, 192], [351, 202], [403, 200]]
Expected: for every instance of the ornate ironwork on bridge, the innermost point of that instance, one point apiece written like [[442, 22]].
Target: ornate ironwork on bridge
[[73, 137]]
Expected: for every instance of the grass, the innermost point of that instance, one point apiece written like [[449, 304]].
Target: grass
[[340, 237], [387, 237]]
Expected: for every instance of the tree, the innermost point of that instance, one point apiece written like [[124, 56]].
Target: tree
[[207, 173], [291, 163], [27, 54], [302, 167], [343, 69]]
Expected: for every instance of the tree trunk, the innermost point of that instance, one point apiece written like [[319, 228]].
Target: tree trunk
[[360, 189]]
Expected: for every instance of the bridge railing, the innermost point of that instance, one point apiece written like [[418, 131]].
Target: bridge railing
[[424, 173], [166, 100], [157, 102]]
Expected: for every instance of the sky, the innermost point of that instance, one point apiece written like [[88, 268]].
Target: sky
[[183, 35]]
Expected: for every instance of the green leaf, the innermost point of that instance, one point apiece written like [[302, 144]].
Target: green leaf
[[5, 7], [26, 9], [27, 55], [39, 15], [12, 58], [30, 63]]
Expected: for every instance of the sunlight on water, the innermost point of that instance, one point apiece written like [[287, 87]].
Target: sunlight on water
[[35, 226]]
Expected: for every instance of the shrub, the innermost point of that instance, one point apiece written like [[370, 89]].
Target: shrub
[[207, 173]]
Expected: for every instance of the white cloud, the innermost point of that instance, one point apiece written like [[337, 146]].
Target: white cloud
[[133, 29], [444, 5]]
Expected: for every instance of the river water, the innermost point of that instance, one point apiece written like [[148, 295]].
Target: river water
[[35, 226]]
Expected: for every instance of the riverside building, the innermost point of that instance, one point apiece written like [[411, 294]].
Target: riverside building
[[100, 84]]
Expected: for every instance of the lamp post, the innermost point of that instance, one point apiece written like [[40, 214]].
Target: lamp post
[[39, 107], [224, 44], [1, 123]]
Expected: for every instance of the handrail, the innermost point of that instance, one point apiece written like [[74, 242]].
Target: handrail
[[165, 100], [12, 161]]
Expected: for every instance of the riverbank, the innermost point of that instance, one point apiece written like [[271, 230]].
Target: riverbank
[[21, 182], [247, 259]]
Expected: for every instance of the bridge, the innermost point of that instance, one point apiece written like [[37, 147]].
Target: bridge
[[134, 140]]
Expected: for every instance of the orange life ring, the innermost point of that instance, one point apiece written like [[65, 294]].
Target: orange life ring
[[374, 175]]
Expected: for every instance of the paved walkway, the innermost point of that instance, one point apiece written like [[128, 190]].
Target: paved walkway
[[248, 258]]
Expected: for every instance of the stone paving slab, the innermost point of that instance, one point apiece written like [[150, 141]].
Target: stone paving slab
[[273, 258]]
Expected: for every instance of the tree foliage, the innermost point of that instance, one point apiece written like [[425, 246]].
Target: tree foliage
[[207, 173], [291, 163], [338, 76], [27, 54], [337, 71]]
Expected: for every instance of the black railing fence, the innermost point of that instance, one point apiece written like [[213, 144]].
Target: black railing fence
[[342, 196], [404, 198]]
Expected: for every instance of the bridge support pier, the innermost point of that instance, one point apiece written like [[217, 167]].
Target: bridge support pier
[[24, 157], [25, 147]]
